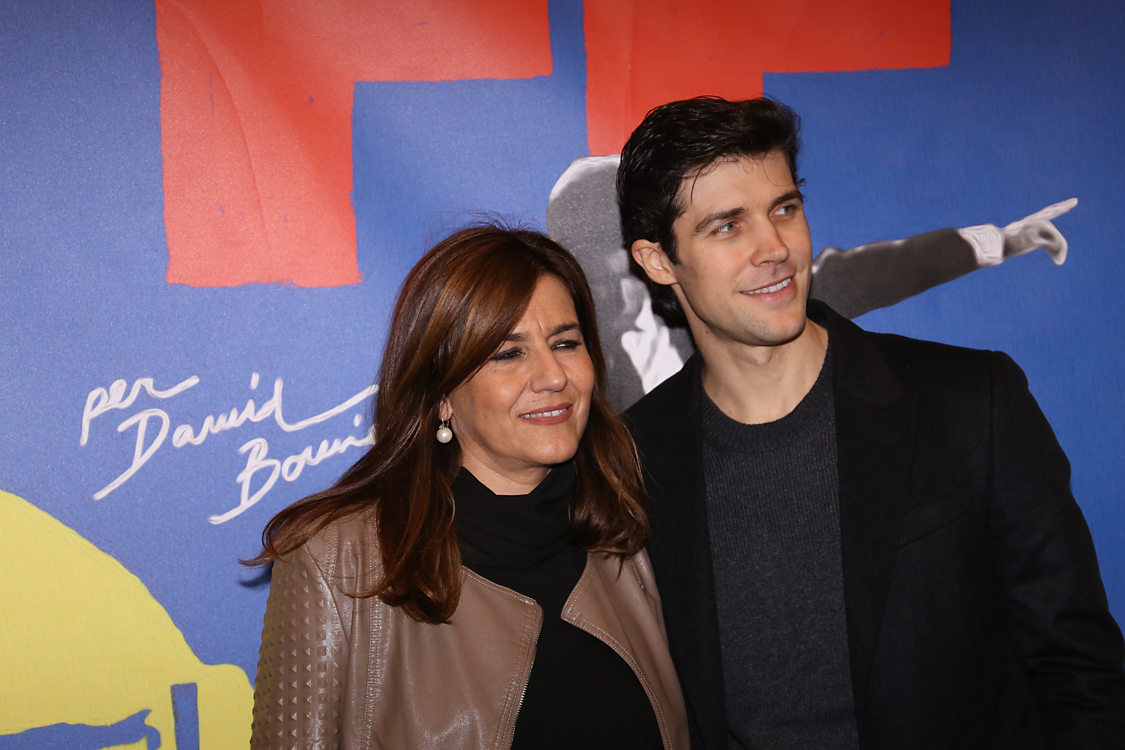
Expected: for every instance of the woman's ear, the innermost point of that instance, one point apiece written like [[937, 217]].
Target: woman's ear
[[445, 411]]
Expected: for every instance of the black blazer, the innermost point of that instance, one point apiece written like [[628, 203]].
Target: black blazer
[[976, 615]]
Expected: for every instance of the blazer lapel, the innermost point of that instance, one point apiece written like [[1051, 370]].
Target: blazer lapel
[[680, 550], [875, 422]]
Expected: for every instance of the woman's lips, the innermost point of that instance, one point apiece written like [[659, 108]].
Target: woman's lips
[[549, 415]]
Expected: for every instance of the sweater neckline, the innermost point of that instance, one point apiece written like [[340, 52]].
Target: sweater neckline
[[720, 431], [513, 532]]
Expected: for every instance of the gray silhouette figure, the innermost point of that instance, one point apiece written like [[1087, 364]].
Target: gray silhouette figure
[[642, 349]]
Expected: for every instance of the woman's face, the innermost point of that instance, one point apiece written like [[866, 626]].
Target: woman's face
[[526, 409]]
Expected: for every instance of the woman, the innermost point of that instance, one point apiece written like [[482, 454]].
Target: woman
[[477, 579]]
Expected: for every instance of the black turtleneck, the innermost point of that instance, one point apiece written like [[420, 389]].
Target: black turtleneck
[[580, 693]]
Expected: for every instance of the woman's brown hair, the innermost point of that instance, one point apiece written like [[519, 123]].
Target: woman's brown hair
[[456, 307]]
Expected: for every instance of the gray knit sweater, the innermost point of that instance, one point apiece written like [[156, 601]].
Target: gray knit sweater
[[773, 514]]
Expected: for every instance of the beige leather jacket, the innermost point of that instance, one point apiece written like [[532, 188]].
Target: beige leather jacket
[[337, 671]]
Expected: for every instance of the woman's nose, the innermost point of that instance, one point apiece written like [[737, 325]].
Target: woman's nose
[[548, 373]]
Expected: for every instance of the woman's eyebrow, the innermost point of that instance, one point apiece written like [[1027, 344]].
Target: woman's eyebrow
[[515, 336], [563, 328]]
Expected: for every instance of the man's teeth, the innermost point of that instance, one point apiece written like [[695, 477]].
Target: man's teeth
[[775, 288], [539, 414]]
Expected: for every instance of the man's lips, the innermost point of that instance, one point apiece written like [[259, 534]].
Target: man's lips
[[772, 287], [549, 414]]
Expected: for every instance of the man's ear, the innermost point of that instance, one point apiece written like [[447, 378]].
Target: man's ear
[[652, 258]]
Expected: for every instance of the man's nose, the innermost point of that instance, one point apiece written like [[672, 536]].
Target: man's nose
[[769, 247]]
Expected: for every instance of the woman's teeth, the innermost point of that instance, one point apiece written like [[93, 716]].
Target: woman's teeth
[[539, 414]]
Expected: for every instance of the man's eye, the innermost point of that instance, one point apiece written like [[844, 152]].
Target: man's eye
[[785, 209], [726, 228]]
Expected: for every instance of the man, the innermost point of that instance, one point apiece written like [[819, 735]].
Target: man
[[641, 350], [861, 540]]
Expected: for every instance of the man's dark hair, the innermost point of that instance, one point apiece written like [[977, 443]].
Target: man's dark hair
[[683, 139]]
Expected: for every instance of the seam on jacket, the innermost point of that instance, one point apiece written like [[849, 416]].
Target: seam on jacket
[[532, 622], [664, 730], [497, 587], [619, 649], [335, 589], [375, 664], [624, 654]]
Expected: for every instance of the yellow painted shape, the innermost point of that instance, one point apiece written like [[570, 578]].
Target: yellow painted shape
[[82, 641]]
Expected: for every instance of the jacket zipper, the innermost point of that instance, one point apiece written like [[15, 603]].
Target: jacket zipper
[[527, 675], [511, 733]]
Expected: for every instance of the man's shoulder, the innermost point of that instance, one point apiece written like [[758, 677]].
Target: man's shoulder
[[908, 352], [914, 363], [664, 407]]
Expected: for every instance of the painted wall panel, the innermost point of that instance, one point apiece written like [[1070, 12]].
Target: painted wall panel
[[960, 114]]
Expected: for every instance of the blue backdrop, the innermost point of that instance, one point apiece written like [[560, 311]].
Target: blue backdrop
[[1027, 113]]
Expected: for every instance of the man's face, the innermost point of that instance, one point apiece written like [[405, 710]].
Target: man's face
[[744, 253]]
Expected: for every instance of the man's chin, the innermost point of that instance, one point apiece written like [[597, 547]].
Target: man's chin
[[779, 333]]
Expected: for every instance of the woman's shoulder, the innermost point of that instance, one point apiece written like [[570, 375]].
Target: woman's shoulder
[[613, 567], [347, 549]]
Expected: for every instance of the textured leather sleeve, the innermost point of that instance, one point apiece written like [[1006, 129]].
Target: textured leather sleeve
[[302, 665]]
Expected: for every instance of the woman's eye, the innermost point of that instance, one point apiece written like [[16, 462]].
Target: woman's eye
[[567, 344], [506, 354]]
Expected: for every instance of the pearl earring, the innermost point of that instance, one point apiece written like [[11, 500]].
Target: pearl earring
[[444, 434]]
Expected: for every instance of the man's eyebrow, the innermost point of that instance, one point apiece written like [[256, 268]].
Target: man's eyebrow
[[725, 215], [733, 213], [790, 196]]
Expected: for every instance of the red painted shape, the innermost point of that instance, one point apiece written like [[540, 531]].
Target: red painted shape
[[255, 116], [642, 53]]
